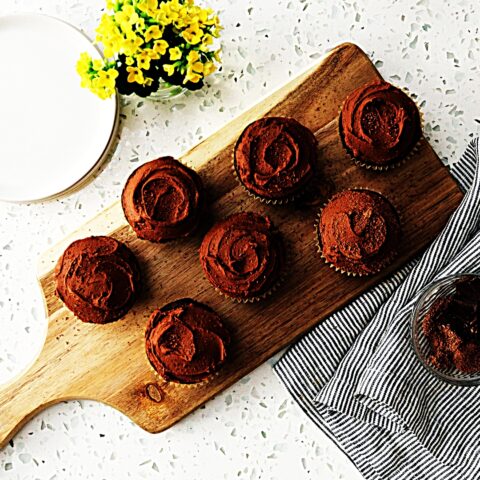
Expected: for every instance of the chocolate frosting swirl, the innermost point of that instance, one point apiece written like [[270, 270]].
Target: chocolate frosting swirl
[[186, 341], [242, 255], [452, 327], [380, 124], [98, 279], [275, 157], [163, 200], [359, 230]]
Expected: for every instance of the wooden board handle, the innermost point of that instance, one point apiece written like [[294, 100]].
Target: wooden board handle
[[44, 383], [23, 397]]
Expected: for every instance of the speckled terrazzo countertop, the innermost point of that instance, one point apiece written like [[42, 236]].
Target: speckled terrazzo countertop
[[252, 430]]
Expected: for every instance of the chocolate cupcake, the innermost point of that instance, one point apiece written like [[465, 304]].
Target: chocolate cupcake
[[98, 279], [379, 125], [163, 200], [358, 232], [243, 256], [275, 158], [186, 341]]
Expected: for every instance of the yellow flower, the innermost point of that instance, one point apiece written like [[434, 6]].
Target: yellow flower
[[197, 67], [175, 53], [126, 17], [167, 12], [143, 60], [106, 78], [135, 75], [208, 68], [160, 47], [101, 89], [215, 31], [102, 83], [112, 45], [153, 33], [86, 81], [148, 7], [129, 61], [170, 69], [216, 55], [192, 77], [193, 56], [140, 24], [132, 44], [84, 63], [193, 34], [97, 64], [213, 21], [206, 41], [151, 53], [112, 73], [204, 14], [187, 14], [106, 25], [109, 34]]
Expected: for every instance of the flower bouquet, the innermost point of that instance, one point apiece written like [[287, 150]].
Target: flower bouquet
[[150, 45]]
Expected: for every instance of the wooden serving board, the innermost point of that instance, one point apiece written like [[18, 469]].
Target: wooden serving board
[[108, 363]]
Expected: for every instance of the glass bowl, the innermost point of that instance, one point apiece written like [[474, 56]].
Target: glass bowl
[[438, 289]]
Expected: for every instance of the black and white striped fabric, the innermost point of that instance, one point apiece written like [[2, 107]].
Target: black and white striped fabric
[[356, 375]]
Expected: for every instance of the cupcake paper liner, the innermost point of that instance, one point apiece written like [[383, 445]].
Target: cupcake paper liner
[[383, 168], [162, 382], [316, 192], [318, 239]]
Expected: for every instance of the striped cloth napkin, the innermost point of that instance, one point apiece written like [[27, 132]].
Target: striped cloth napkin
[[357, 377]]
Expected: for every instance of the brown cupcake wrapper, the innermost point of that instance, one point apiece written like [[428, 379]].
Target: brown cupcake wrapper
[[279, 282], [318, 240], [187, 164], [197, 384], [313, 193], [384, 168], [176, 384], [270, 201]]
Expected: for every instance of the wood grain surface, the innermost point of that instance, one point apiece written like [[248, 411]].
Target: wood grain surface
[[108, 363]]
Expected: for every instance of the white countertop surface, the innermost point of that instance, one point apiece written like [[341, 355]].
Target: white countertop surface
[[252, 430]]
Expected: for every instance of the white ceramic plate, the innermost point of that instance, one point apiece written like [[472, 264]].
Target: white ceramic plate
[[52, 132]]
